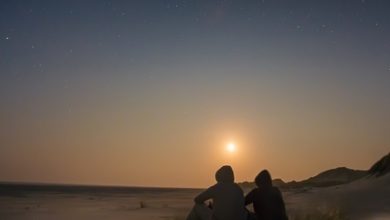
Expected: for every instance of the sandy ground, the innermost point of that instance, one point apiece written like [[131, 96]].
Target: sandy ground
[[366, 199], [64, 206]]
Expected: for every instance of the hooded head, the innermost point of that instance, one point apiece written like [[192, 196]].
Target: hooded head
[[263, 179], [225, 175]]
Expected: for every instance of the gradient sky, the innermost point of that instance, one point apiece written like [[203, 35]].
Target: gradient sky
[[149, 92]]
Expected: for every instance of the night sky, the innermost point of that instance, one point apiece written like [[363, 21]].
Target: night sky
[[148, 92]]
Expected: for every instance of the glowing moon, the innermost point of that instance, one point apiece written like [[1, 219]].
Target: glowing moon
[[231, 147]]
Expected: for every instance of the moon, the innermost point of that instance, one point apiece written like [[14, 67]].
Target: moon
[[231, 147]]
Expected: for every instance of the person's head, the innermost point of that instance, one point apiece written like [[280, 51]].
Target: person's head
[[225, 174], [263, 179]]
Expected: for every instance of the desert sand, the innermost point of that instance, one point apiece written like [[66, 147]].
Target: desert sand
[[365, 199]]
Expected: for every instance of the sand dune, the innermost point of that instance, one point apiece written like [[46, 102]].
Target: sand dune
[[365, 199]]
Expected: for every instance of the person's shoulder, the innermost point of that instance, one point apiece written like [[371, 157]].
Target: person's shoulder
[[253, 194], [214, 186], [276, 190], [212, 189], [228, 186], [238, 187], [256, 189]]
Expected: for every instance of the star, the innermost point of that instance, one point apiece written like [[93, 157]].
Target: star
[[7, 38]]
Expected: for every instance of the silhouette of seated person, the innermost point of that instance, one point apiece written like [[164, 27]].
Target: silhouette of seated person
[[267, 199], [227, 196]]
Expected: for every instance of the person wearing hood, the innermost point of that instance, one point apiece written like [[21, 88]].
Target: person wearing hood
[[267, 199], [227, 196]]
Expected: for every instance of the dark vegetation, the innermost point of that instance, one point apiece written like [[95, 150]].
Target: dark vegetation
[[381, 167]]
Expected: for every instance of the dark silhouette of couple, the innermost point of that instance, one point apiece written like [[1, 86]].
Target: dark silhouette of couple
[[229, 202]]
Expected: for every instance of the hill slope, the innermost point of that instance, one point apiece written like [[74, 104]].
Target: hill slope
[[332, 177], [381, 167], [336, 176]]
